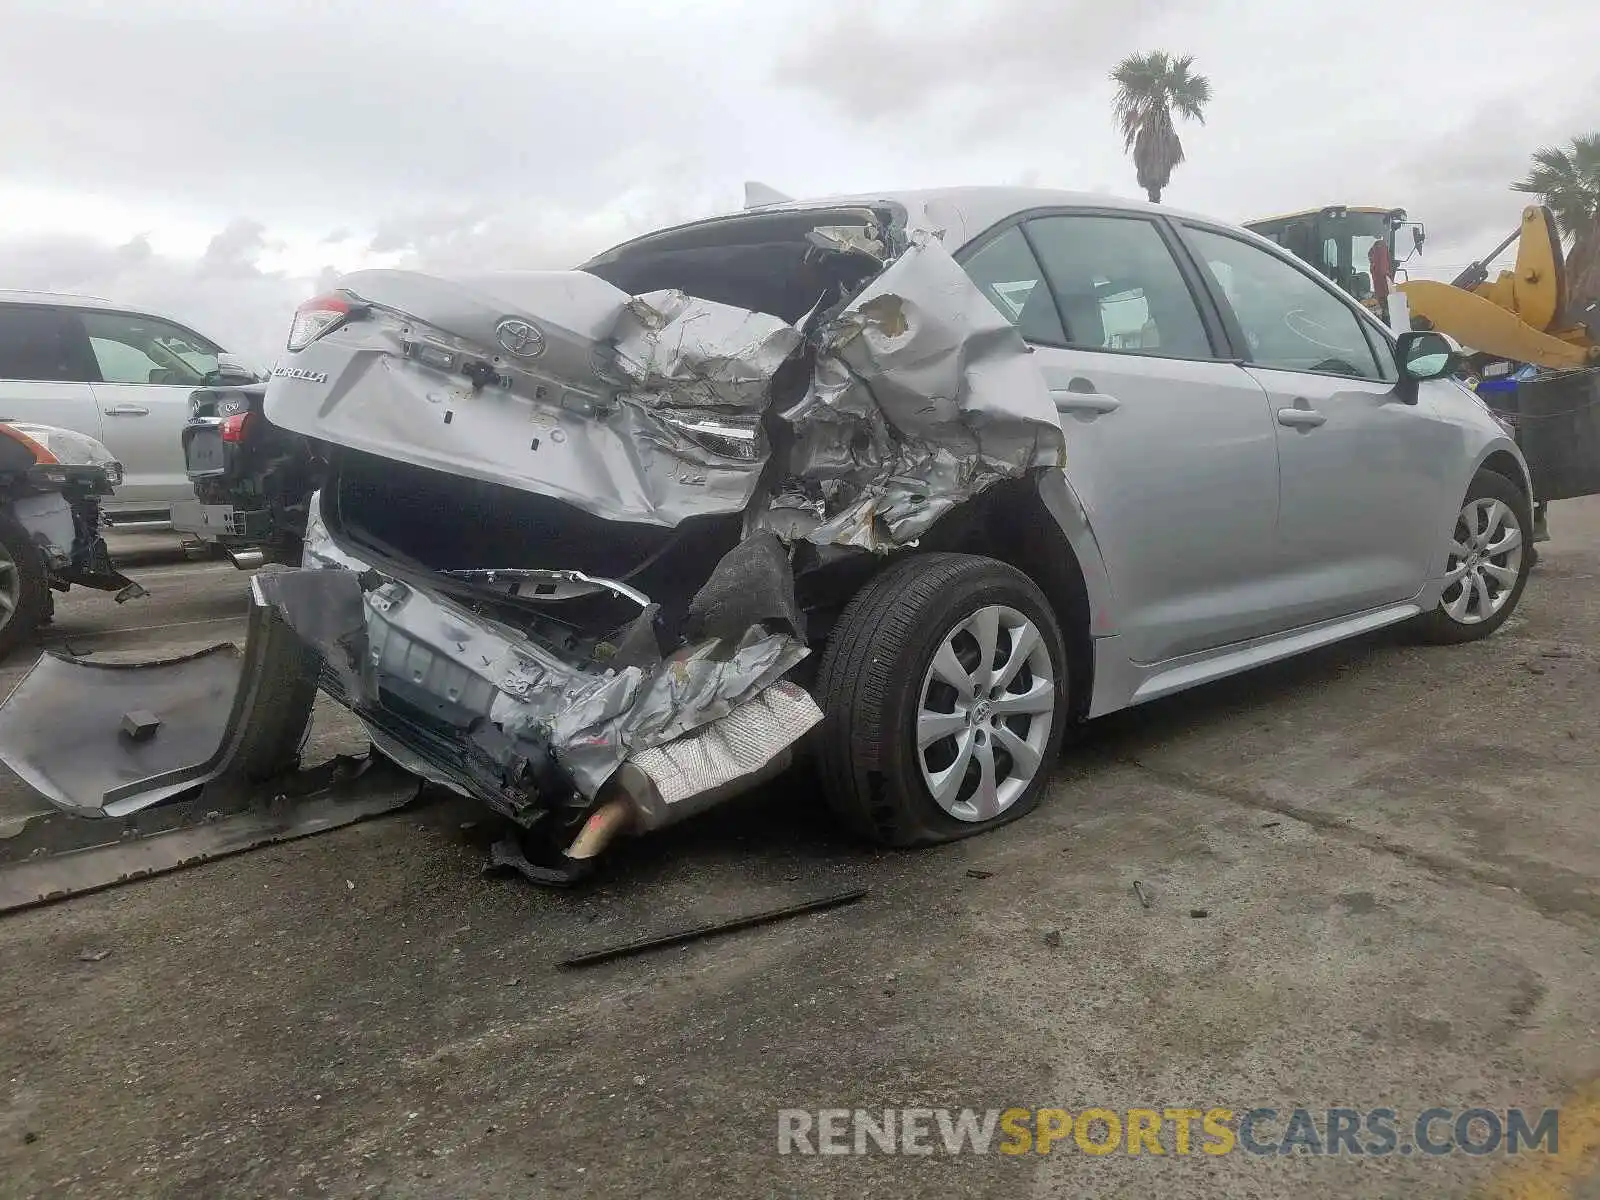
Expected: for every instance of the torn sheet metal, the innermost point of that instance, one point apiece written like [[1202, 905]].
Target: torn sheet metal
[[647, 408], [681, 352], [923, 395], [555, 382], [635, 709], [501, 690]]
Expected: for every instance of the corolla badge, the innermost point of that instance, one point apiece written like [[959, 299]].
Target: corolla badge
[[521, 338], [300, 373]]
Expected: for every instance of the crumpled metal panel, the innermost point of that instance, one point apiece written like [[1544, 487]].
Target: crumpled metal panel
[[638, 709], [647, 408], [590, 715], [605, 415], [923, 395], [682, 352]]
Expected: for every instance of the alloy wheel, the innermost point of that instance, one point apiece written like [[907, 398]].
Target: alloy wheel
[[984, 714], [10, 586], [1485, 561]]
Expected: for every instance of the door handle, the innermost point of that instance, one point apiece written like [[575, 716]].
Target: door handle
[[1080, 397], [126, 410], [1301, 418]]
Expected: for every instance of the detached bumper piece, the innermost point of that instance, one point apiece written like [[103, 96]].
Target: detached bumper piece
[[149, 767]]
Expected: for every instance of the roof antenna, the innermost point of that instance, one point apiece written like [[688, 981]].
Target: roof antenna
[[757, 195]]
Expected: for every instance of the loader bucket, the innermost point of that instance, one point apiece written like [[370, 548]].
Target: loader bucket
[[143, 768]]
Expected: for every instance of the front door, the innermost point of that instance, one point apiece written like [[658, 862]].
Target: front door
[[1170, 447], [147, 370], [1356, 527]]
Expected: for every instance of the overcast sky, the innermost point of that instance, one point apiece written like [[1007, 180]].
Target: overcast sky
[[218, 159]]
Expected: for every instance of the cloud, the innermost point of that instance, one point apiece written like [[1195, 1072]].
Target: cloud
[[1459, 181], [342, 105], [538, 237], [493, 134], [877, 63]]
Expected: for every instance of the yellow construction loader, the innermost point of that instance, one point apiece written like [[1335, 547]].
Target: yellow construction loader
[[1522, 315], [1535, 346]]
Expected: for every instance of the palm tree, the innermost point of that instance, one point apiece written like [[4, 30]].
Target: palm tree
[[1567, 181], [1150, 89]]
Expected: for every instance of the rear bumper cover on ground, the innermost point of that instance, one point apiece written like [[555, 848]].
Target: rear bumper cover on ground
[[143, 768]]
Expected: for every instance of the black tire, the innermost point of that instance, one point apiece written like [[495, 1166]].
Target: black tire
[[869, 687], [1439, 627], [33, 586]]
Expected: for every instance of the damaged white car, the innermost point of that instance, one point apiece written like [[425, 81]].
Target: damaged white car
[[928, 476]]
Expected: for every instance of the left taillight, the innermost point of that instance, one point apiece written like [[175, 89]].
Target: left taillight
[[317, 317], [233, 427]]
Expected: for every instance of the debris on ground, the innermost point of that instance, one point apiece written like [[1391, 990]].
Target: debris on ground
[[93, 956], [1053, 938], [1199, 913], [605, 954], [979, 873]]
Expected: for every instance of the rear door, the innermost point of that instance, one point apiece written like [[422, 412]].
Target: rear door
[[1169, 445], [45, 368], [147, 368], [1358, 524]]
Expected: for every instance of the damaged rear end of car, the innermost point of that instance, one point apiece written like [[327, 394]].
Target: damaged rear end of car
[[578, 532]]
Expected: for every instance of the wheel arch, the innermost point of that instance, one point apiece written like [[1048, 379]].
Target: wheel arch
[[1506, 461], [1037, 525]]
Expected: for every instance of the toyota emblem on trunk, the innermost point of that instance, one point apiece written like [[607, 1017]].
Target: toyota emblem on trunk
[[519, 337]]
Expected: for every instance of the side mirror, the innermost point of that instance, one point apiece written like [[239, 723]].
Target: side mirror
[[232, 370], [1425, 354]]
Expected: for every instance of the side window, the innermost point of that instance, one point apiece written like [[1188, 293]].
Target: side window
[[1290, 321], [136, 349], [1118, 287], [41, 345], [1006, 271]]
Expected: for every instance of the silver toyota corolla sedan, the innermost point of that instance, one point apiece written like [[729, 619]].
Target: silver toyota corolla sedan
[[915, 480]]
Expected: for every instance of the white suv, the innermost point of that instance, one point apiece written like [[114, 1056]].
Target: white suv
[[118, 375]]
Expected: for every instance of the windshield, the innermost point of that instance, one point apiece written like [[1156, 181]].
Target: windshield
[[1347, 250]]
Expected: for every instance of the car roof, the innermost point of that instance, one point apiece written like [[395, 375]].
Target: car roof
[[61, 299], [981, 207], [963, 213]]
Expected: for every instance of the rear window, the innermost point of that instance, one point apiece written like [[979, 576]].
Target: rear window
[[40, 344], [765, 262]]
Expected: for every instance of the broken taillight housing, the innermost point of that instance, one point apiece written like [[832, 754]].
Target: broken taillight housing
[[233, 427], [737, 438], [317, 317]]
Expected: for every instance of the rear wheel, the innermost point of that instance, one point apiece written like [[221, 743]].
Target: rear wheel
[[943, 690], [24, 586], [1490, 555]]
